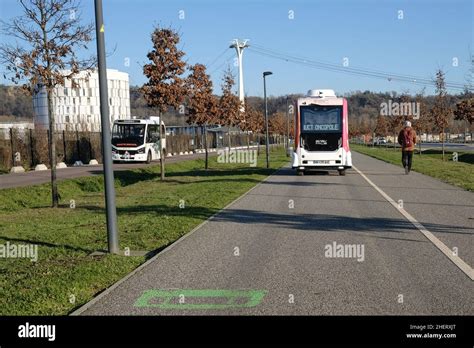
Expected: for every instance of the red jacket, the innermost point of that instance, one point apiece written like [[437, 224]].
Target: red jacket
[[411, 134]]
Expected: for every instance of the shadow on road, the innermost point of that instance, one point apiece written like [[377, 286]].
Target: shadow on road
[[327, 223], [301, 222], [383, 201]]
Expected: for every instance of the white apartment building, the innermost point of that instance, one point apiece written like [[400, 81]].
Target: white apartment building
[[79, 108]]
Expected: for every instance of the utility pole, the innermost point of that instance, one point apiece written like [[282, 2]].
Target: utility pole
[[239, 47], [111, 211]]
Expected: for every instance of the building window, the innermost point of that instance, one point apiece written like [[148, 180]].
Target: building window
[[67, 119]]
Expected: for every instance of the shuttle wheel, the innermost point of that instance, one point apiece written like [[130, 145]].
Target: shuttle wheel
[[342, 172], [300, 172], [148, 157]]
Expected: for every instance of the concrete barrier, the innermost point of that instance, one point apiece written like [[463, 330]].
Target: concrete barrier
[[61, 165], [40, 167], [93, 162], [78, 164], [17, 169]]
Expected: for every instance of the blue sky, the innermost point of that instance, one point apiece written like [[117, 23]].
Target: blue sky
[[367, 32]]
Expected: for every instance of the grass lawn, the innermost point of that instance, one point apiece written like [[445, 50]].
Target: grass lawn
[[149, 218], [460, 173]]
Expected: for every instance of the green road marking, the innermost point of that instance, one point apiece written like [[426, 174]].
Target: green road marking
[[182, 298]]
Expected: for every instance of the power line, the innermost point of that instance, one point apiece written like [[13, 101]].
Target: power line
[[338, 68], [348, 70], [226, 61], [363, 71], [217, 58]]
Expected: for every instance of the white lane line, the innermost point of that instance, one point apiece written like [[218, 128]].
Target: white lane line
[[463, 266]]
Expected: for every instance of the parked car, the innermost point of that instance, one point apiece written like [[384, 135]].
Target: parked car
[[380, 141]]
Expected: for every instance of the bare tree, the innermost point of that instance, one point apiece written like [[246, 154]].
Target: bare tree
[[381, 127], [165, 86], [424, 122], [202, 106], [254, 122], [277, 123], [229, 103], [441, 112], [465, 112], [364, 127], [396, 121], [247, 118], [50, 32]]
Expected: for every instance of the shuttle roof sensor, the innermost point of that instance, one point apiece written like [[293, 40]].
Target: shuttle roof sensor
[[321, 93]]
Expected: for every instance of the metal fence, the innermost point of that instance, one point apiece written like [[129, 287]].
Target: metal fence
[[29, 147]]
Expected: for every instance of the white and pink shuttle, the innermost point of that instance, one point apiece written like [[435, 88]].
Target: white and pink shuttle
[[321, 133]]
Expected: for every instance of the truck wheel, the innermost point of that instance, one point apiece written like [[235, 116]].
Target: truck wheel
[[148, 157], [300, 172], [342, 172]]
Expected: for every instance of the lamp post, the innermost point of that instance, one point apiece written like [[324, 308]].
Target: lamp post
[[111, 212], [266, 73]]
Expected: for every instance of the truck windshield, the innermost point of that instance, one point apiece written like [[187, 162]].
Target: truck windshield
[[129, 135]]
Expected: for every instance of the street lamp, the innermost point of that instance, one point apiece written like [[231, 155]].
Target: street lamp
[[266, 73], [111, 211]]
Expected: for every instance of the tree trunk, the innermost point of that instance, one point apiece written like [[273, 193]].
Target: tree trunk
[[258, 144], [465, 132], [248, 140], [162, 159], [419, 144], [229, 137], [442, 144], [206, 147], [52, 151], [51, 138]]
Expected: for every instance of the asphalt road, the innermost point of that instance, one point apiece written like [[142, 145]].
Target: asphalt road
[[41, 177], [282, 228]]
